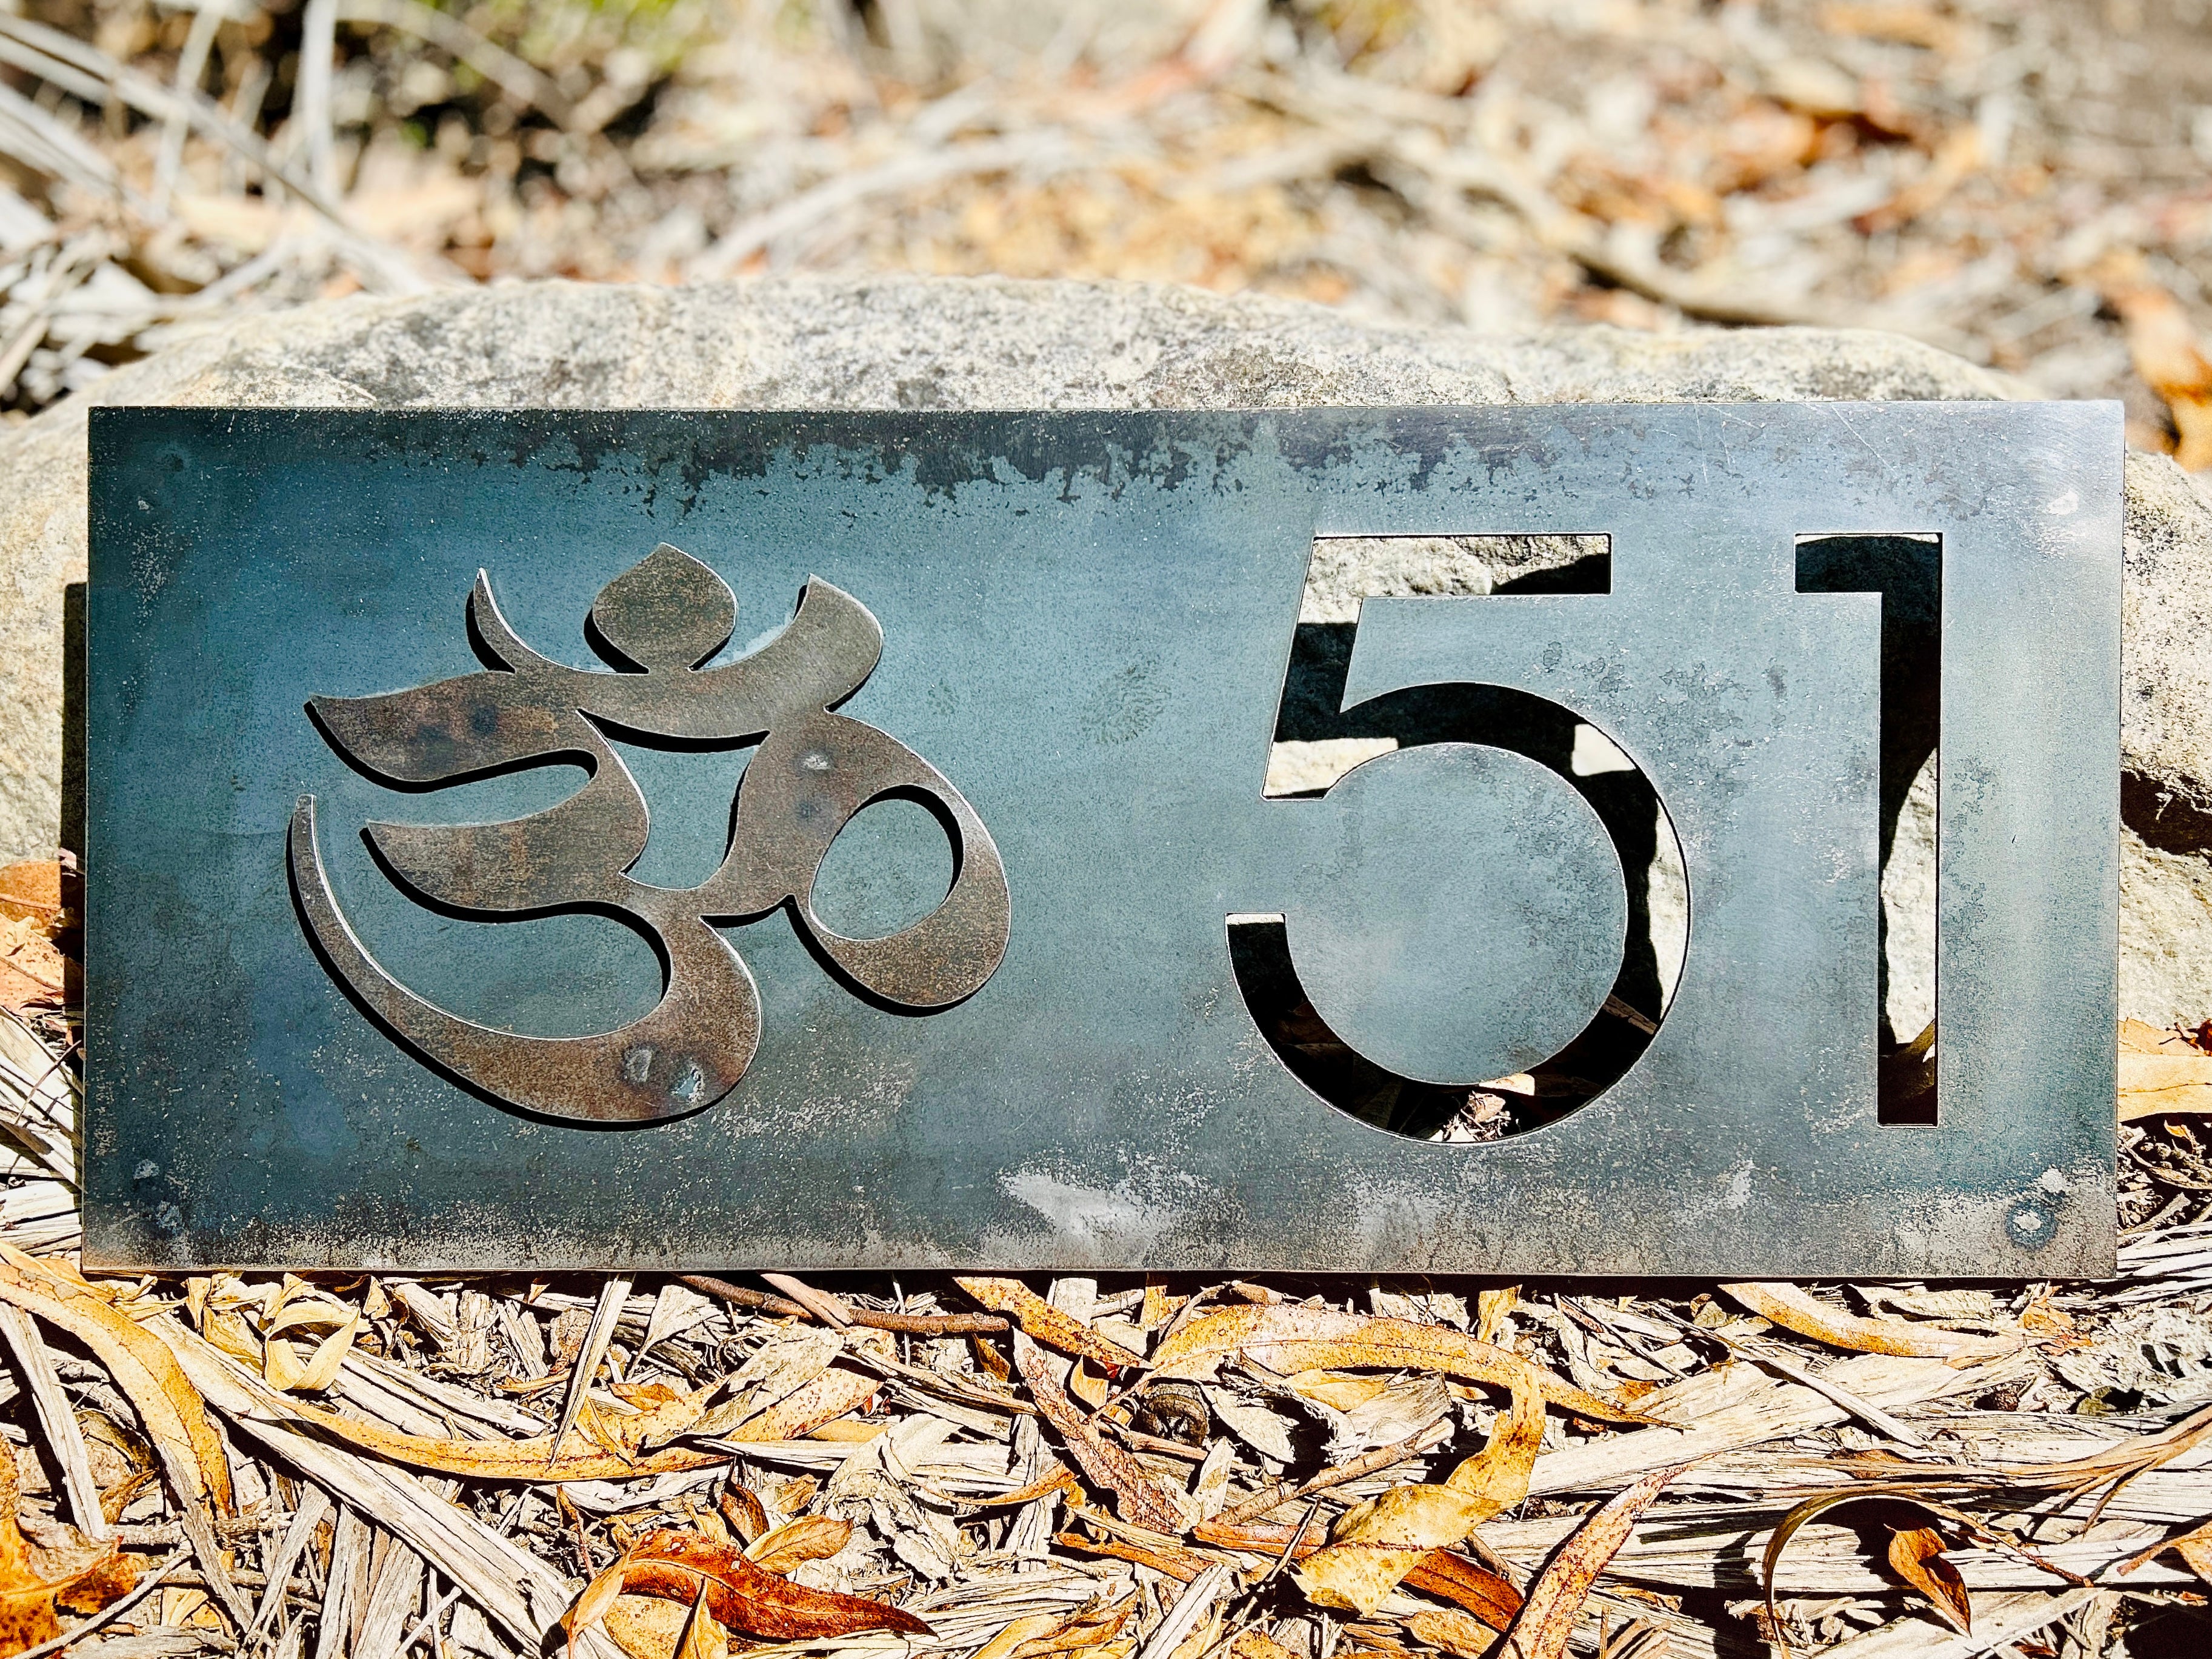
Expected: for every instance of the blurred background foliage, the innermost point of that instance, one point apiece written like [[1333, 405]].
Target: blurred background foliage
[[2026, 182]]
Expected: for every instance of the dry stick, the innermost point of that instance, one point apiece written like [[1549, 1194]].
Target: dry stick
[[1289, 1549], [1366, 1464], [56, 1417], [913, 1324]]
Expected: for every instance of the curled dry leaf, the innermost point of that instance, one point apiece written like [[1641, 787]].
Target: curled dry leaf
[[1546, 1618], [1799, 1310], [1017, 1632], [82, 1575], [579, 1457], [1289, 1339], [1046, 1324], [1915, 1554], [285, 1370], [169, 1406], [1378, 1542], [687, 1567]]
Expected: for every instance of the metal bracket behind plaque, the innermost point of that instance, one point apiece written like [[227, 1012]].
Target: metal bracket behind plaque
[[528, 1022]]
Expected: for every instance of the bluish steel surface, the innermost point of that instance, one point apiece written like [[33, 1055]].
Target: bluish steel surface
[[1086, 623]]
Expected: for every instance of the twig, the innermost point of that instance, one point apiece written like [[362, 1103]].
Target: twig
[[314, 1506]]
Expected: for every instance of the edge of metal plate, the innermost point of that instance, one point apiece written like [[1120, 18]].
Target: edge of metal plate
[[240, 1112]]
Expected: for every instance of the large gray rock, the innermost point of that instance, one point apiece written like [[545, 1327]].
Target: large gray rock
[[919, 343]]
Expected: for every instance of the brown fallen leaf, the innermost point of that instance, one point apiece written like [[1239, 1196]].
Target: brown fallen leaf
[[2161, 1071], [1474, 1586], [580, 1457], [1056, 1479], [741, 1596], [1546, 1618], [30, 891], [1046, 1324], [1799, 1310], [646, 1627], [1016, 1631], [597, 1599], [1092, 1626], [704, 1635], [83, 1576], [169, 1408], [1455, 1633], [1915, 1555], [1173, 1560], [1289, 1339], [809, 1538], [1140, 1500], [1378, 1542], [1251, 1644], [831, 1395]]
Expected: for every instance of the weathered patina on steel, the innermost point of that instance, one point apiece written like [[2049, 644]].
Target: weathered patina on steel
[[534, 1026], [815, 771]]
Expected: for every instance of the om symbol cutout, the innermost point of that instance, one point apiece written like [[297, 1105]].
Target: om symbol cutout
[[814, 771]]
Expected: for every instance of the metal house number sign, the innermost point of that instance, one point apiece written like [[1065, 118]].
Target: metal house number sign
[[659, 839]]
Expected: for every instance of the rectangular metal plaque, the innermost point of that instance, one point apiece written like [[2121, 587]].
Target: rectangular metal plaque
[[658, 840]]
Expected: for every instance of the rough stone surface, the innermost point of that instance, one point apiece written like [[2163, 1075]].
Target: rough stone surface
[[919, 344], [2166, 742]]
